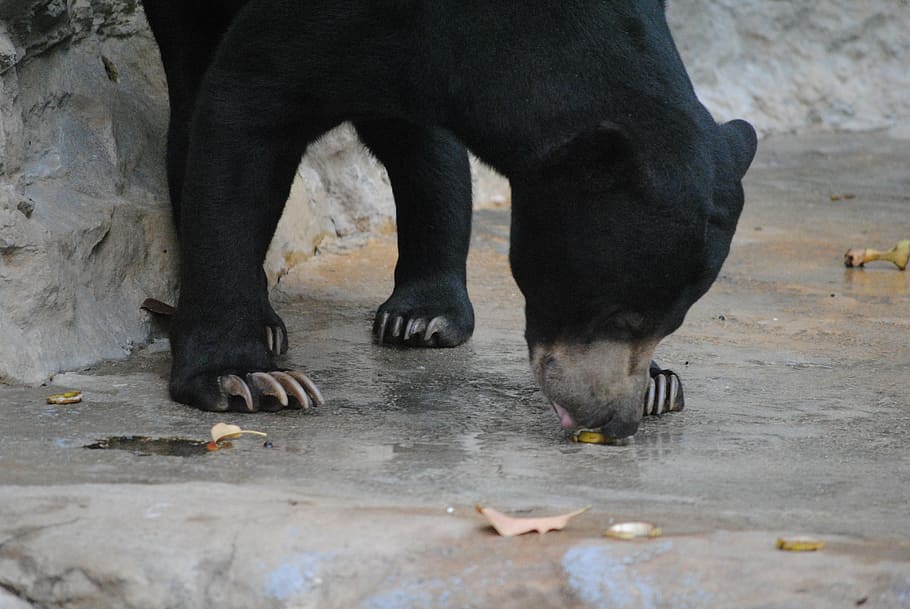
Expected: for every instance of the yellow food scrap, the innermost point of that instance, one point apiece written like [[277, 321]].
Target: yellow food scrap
[[593, 436], [899, 255], [633, 530], [799, 544], [70, 397]]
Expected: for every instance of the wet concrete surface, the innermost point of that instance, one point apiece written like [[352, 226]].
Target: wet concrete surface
[[797, 421]]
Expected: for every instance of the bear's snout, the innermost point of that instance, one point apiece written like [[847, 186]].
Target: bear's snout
[[601, 384]]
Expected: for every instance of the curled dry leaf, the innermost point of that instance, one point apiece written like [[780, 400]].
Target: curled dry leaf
[[509, 526], [223, 431]]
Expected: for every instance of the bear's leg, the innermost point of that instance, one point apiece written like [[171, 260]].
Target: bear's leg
[[245, 145], [431, 181], [187, 36]]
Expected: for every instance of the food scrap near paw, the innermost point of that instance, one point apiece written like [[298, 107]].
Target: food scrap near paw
[[222, 432], [70, 397], [595, 436], [899, 255]]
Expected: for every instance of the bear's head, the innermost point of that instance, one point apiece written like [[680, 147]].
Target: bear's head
[[614, 236]]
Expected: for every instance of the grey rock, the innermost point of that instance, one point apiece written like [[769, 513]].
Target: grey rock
[[26, 207], [8, 600], [798, 66], [83, 216]]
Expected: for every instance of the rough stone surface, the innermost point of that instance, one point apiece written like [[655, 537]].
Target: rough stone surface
[[796, 422], [164, 546], [85, 234], [797, 66]]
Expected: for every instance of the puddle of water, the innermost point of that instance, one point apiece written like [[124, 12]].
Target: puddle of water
[[143, 446]]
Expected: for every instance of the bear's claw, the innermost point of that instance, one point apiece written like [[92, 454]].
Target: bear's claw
[[233, 385], [266, 385], [417, 331], [276, 339], [261, 391], [665, 393]]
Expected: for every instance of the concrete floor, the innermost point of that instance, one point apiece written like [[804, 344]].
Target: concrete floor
[[797, 422]]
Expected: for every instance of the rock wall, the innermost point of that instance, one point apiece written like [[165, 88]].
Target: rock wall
[[799, 66], [85, 231]]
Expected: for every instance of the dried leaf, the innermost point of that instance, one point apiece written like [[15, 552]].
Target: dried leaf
[[509, 526], [223, 431]]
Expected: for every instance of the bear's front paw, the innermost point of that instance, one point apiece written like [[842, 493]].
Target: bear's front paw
[[250, 392], [425, 314], [439, 331], [665, 392]]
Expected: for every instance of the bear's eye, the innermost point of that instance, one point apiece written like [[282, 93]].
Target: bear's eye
[[632, 320], [625, 324]]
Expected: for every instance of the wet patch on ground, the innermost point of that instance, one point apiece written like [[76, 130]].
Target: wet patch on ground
[[143, 446]]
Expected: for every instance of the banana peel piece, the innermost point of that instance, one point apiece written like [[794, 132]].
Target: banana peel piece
[[899, 255]]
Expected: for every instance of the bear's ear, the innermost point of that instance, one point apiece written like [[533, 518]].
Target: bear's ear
[[741, 138], [606, 145], [614, 142]]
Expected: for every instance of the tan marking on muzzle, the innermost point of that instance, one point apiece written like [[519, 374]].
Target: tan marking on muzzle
[[597, 382]]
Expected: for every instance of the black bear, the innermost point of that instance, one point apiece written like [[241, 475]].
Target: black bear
[[625, 192]]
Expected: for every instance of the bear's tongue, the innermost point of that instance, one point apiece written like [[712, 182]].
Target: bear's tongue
[[565, 418]]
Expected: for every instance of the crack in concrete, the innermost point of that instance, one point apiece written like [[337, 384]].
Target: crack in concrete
[[108, 587], [25, 532], [221, 570], [48, 582]]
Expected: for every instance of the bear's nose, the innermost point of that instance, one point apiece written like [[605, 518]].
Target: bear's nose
[[620, 426], [601, 384]]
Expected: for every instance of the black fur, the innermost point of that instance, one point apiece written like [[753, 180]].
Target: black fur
[[625, 192]]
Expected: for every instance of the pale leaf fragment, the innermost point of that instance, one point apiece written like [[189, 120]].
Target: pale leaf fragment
[[509, 526], [223, 431]]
